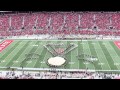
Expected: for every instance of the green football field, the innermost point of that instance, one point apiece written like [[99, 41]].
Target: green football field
[[106, 53]]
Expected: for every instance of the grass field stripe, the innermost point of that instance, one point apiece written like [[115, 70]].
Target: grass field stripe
[[86, 51], [80, 50], [31, 51], [8, 58], [37, 63], [44, 65], [22, 56], [43, 54], [118, 58], [32, 64], [40, 48], [99, 53], [18, 54], [93, 50], [103, 55], [106, 50], [74, 53], [67, 56], [90, 52], [10, 50]]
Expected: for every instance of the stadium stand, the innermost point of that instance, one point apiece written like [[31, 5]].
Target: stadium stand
[[57, 75], [57, 23]]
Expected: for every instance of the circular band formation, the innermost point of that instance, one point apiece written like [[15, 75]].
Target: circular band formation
[[56, 61]]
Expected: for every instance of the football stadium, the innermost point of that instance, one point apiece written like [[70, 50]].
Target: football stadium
[[60, 45]]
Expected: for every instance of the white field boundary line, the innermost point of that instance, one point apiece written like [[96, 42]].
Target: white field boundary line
[[41, 65], [98, 57], [44, 69], [16, 52], [8, 50], [22, 53], [103, 54], [35, 52], [27, 50], [65, 40], [115, 54], [90, 52]]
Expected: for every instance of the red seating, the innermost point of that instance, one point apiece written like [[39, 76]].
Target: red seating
[[4, 23], [58, 23], [57, 20], [29, 21], [16, 22]]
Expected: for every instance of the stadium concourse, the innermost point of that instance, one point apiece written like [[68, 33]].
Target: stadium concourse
[[45, 45]]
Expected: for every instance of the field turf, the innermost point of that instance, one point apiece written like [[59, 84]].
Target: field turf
[[107, 53]]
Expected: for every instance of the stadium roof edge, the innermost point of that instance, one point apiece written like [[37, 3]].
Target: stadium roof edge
[[16, 12]]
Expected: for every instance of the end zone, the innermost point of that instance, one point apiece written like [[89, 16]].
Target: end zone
[[4, 44], [117, 43]]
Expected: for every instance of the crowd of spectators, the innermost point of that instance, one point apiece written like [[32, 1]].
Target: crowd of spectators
[[99, 23], [57, 75]]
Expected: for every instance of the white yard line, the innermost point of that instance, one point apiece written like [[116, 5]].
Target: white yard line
[[104, 55], [12, 54], [78, 54]]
